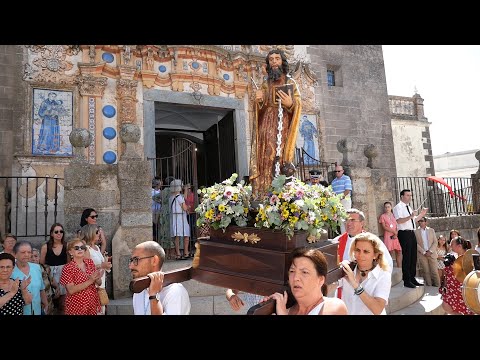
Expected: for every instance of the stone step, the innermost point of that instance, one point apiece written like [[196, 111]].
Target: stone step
[[429, 304], [396, 276], [401, 297]]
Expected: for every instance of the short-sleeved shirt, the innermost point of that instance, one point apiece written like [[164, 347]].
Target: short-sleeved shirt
[[174, 299], [85, 302], [377, 284], [400, 211], [36, 285], [342, 184], [15, 305]]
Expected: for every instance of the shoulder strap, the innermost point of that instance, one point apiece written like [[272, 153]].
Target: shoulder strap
[[175, 198]]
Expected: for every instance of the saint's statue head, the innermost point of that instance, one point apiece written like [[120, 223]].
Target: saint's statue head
[[275, 71]]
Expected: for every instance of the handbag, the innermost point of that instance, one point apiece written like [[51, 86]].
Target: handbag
[[102, 294]]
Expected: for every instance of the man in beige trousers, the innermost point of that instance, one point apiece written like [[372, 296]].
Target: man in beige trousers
[[427, 252]]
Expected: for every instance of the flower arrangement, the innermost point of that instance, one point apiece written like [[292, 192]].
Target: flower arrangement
[[223, 203], [295, 206]]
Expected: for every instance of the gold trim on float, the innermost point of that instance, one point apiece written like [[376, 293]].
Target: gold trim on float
[[252, 238]]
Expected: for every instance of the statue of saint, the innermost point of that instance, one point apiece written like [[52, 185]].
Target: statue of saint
[[265, 126]]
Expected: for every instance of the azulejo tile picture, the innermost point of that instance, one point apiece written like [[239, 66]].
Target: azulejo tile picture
[[52, 112]]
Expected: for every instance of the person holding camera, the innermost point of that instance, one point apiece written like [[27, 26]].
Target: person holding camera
[[453, 302], [390, 236], [367, 281]]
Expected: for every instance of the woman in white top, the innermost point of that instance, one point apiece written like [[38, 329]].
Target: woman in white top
[[366, 288], [306, 278], [90, 234]]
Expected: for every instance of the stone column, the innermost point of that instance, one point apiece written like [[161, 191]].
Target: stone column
[[134, 180]]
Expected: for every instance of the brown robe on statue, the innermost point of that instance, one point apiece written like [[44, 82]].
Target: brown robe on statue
[[264, 136]]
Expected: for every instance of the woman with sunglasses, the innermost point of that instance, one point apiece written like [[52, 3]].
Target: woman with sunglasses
[[81, 278], [90, 234], [89, 216], [54, 254]]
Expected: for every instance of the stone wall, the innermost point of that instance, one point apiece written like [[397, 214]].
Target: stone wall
[[466, 224], [356, 108], [12, 98]]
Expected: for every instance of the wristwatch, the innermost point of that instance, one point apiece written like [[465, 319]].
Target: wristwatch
[[154, 297]]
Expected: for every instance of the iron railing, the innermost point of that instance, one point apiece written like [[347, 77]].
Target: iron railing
[[30, 205], [304, 163], [437, 197]]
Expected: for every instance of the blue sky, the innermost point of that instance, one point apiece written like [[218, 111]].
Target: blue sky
[[448, 79]]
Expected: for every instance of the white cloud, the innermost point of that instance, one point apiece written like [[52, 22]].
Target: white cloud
[[448, 79]]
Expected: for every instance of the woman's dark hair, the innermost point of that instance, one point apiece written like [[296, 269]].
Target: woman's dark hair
[[7, 256], [86, 213], [387, 202], [478, 235], [21, 243], [50, 241], [466, 244], [318, 259], [450, 235]]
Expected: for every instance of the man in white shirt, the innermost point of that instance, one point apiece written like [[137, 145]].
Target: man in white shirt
[[406, 218], [147, 260], [427, 253]]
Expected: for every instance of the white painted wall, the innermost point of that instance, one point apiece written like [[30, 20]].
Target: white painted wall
[[456, 164], [408, 146]]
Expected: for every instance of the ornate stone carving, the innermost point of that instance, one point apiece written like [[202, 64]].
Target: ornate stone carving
[[91, 86], [127, 54], [91, 53], [52, 63], [371, 153], [127, 88], [80, 138], [127, 93]]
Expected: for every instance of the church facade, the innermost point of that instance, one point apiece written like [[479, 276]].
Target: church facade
[[137, 101]]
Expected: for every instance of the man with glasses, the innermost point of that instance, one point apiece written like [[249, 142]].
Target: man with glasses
[[342, 185], [427, 252], [147, 260], [355, 226]]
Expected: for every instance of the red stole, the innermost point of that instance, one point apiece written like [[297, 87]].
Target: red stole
[[342, 242]]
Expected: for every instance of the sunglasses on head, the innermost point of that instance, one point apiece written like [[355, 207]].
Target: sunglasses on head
[[83, 247], [93, 216], [58, 232]]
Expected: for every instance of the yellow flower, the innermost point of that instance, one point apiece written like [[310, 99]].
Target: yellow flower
[[235, 197], [221, 208]]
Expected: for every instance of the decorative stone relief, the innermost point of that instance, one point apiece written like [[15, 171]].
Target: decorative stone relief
[[91, 85], [52, 63], [127, 93]]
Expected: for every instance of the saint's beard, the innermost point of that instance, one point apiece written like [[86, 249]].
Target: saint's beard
[[275, 74]]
